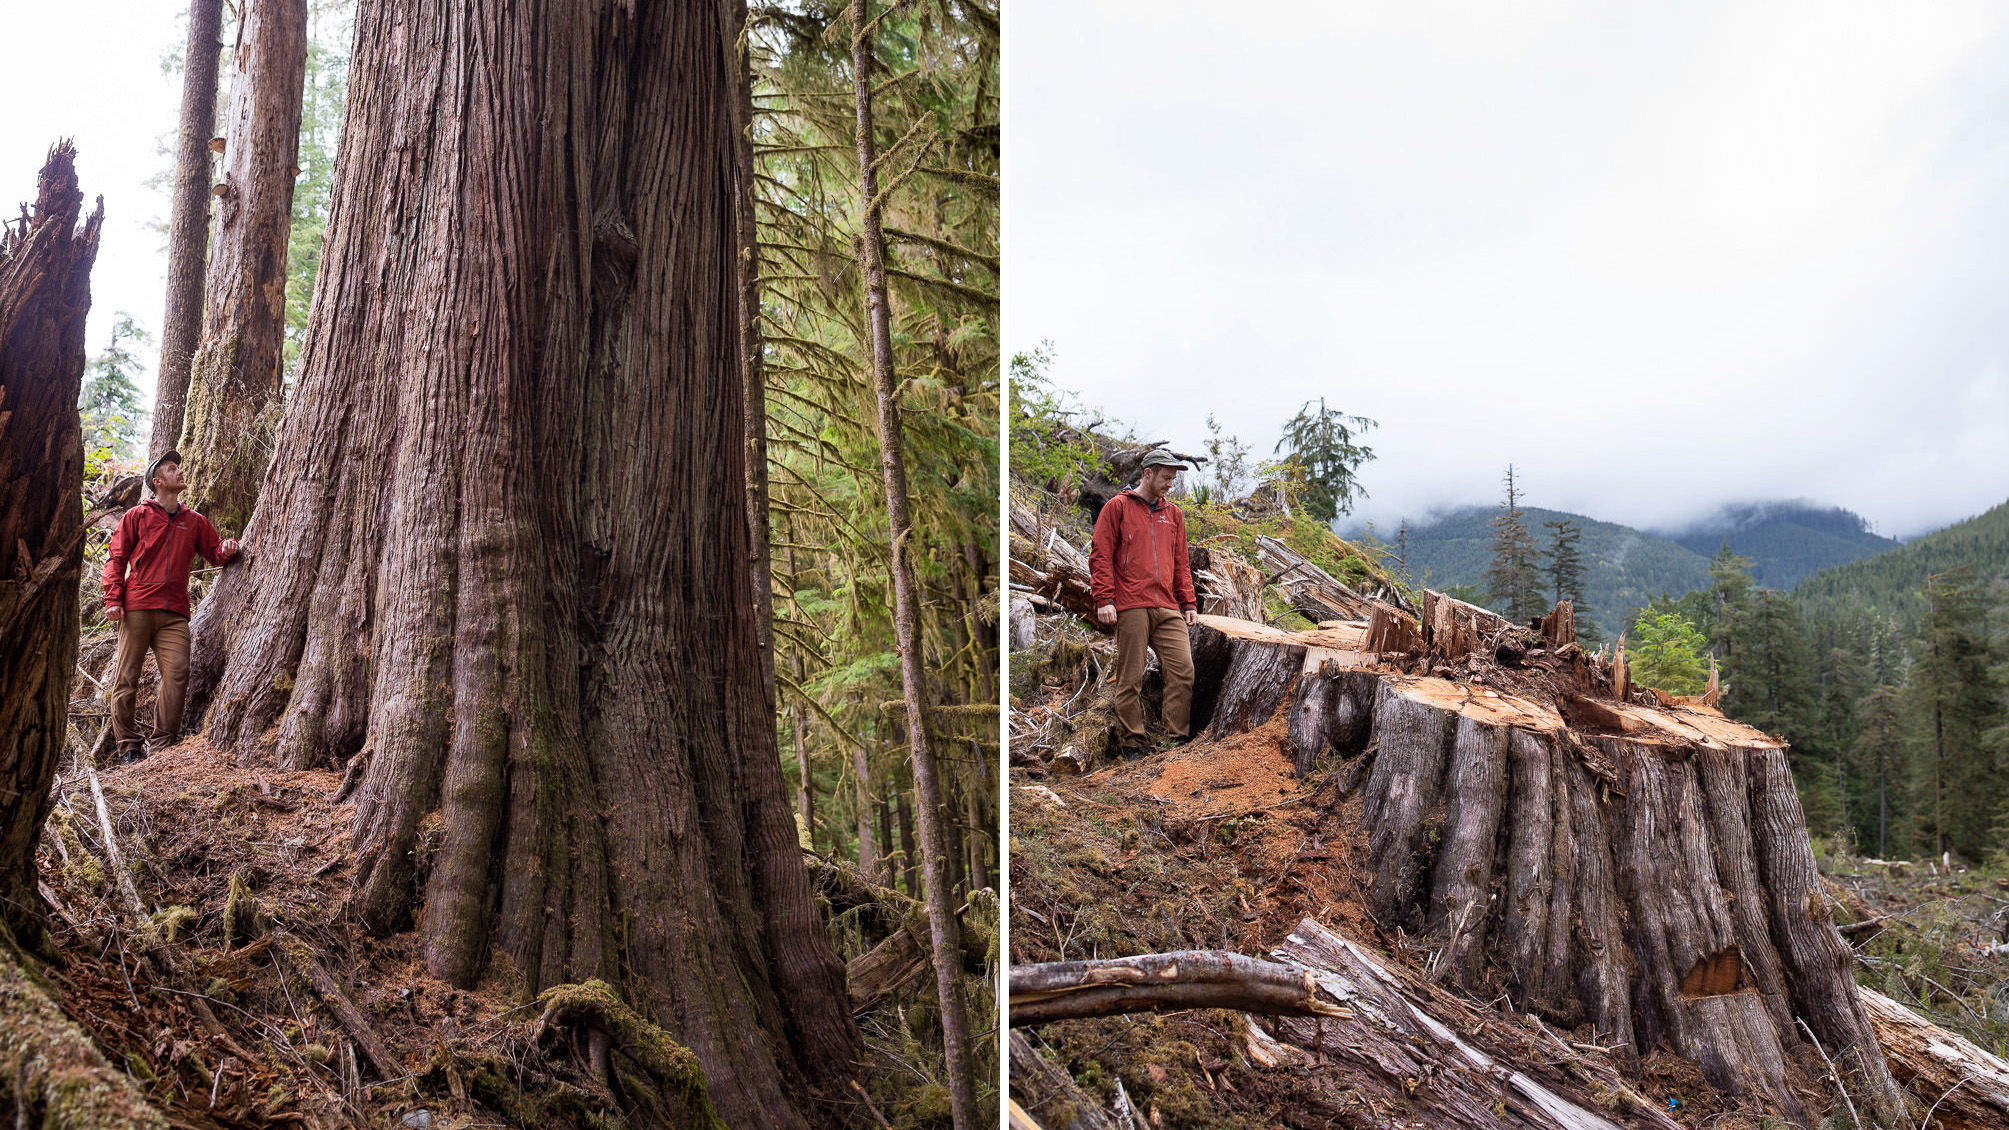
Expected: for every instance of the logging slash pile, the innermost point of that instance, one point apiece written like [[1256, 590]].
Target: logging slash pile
[[1420, 866]]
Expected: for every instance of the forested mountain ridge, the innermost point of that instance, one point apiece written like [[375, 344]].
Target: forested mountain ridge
[[1786, 541], [1893, 582], [1624, 567]]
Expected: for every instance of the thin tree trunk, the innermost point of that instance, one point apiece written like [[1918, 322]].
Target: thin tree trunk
[[912, 876], [861, 777], [943, 927], [504, 540], [234, 381], [188, 227]]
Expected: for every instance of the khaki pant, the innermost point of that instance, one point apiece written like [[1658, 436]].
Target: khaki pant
[[167, 634], [1164, 631]]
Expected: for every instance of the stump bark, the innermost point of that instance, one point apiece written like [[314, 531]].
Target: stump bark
[[1645, 870]]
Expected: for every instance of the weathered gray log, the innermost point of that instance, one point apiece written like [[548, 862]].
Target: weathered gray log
[[1307, 585], [887, 966], [1400, 1032], [1161, 982], [1022, 624], [1966, 1087]]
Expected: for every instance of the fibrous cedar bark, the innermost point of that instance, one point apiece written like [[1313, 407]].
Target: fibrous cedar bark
[[226, 432], [188, 227], [45, 293], [935, 855], [1641, 869], [50, 1071], [502, 546]]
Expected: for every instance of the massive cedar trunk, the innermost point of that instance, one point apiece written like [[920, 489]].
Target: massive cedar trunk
[[49, 1069], [935, 854], [501, 549], [227, 433], [1643, 869], [188, 227]]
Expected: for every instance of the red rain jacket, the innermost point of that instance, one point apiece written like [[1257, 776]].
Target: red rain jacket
[[159, 549], [1139, 556]]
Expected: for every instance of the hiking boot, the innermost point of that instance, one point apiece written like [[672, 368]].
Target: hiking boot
[[1129, 752], [131, 754]]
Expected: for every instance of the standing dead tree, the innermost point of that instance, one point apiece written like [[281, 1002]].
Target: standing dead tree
[[46, 1062], [501, 550]]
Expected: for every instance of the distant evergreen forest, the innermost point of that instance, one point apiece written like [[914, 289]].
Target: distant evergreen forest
[[1625, 568]]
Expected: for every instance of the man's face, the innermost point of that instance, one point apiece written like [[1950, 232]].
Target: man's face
[[1159, 480], [167, 476]]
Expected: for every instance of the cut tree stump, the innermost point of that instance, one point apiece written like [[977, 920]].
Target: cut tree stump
[[1642, 869]]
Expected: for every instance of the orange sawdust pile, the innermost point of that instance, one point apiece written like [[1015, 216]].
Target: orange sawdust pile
[[1306, 851]]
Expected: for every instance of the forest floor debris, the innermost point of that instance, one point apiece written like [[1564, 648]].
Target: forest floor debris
[[244, 874]]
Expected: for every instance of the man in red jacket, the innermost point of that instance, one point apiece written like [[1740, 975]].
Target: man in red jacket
[[156, 541], [1143, 586]]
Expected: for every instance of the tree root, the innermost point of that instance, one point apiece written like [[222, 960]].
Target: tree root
[[596, 1011]]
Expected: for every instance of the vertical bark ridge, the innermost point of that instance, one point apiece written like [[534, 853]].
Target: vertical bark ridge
[[1819, 962], [1461, 882], [1531, 824], [1404, 788]]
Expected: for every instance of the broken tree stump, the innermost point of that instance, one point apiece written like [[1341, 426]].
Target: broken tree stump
[[1642, 869]]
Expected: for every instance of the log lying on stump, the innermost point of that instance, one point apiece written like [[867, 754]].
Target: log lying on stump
[[1644, 870], [1307, 585], [1338, 1010]]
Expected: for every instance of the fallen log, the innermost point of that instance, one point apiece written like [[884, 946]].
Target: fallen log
[[1641, 869], [1967, 1088], [1161, 982], [1349, 1014], [1046, 1097]]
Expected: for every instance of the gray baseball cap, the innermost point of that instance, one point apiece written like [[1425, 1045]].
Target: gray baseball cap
[[1159, 457], [169, 456]]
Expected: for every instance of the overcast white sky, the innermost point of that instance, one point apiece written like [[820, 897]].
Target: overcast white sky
[[1659, 256], [90, 70]]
